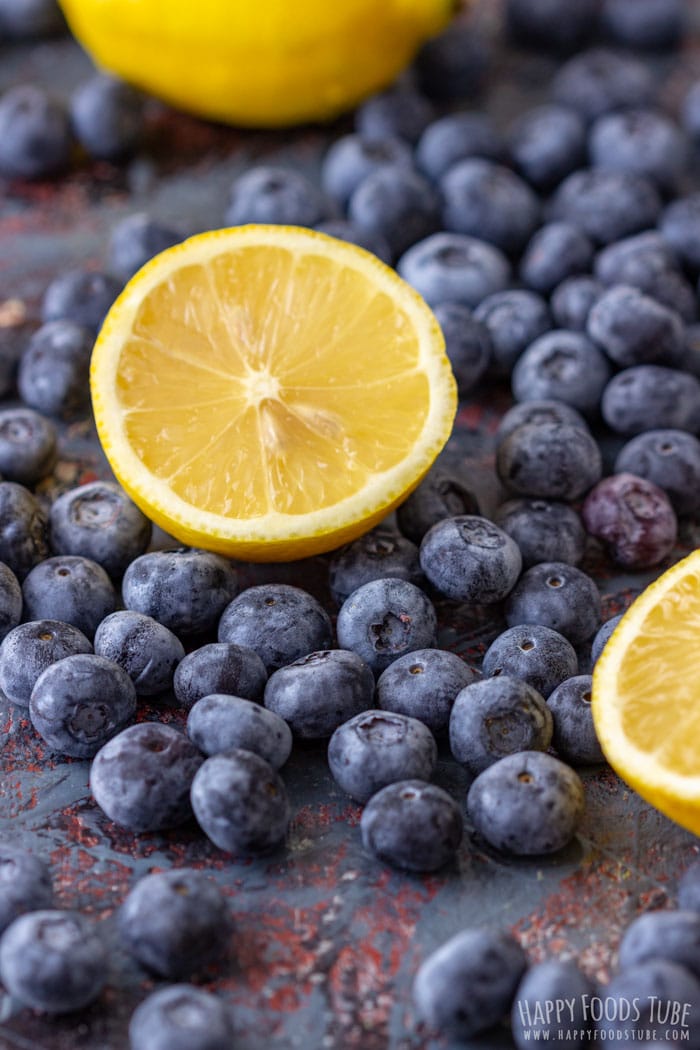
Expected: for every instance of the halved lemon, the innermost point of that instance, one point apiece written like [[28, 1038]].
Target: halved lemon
[[270, 392], [646, 694]]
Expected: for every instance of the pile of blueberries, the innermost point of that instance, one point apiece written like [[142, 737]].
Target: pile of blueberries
[[559, 255]]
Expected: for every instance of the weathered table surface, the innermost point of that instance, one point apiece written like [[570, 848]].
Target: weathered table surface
[[326, 939]]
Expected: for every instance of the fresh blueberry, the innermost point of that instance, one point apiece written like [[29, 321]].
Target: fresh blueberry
[[634, 329], [537, 412], [240, 802], [275, 195], [184, 589], [574, 736], [490, 202], [423, 685], [176, 923], [554, 25], [396, 113], [412, 825], [557, 595], [572, 300], [559, 461], [680, 227], [691, 357], [35, 139], [81, 702], [673, 936], [468, 985], [651, 397], [449, 267], [384, 619], [99, 521], [557, 251], [219, 722], [75, 590], [319, 692], [352, 158], [32, 647], [281, 623], [452, 65], [30, 19], [640, 141], [220, 667], [377, 748], [27, 445], [669, 458], [147, 651], [633, 518], [600, 81], [527, 804], [607, 205], [645, 24], [135, 240], [467, 344], [543, 530], [557, 981], [648, 261], [440, 495], [689, 889], [107, 117], [25, 884], [470, 559], [54, 961], [538, 655], [10, 600], [653, 987], [141, 778], [398, 204], [456, 137], [497, 717], [81, 296], [53, 371], [181, 1017], [514, 319], [367, 239], [376, 555], [547, 144], [602, 636], [690, 113], [562, 366]]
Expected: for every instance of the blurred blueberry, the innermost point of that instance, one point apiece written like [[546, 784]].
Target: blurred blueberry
[[27, 445], [632, 518], [651, 397], [635, 329], [640, 141], [467, 343], [648, 261], [600, 81], [601, 637], [11, 600], [564, 366], [35, 139], [555, 981], [555, 25], [54, 370], [450, 267], [181, 1017], [135, 240], [456, 137], [107, 117], [25, 884], [648, 985], [514, 319], [367, 239], [490, 202], [396, 113], [669, 458], [572, 300], [351, 158], [607, 205], [453, 64], [645, 24], [398, 204], [557, 251], [680, 228], [377, 554], [690, 113], [268, 194], [81, 296], [441, 494], [23, 529], [546, 144], [30, 19]]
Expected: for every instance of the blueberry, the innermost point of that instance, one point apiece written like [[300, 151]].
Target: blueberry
[[651, 397], [557, 251], [25, 884], [468, 985], [275, 195], [456, 137], [181, 1017], [240, 802], [514, 319], [680, 227], [184, 589], [412, 825], [633, 518], [527, 804], [35, 138], [648, 24], [75, 590], [559, 461], [423, 685], [281, 623], [135, 240], [602, 636], [440, 495], [32, 647], [557, 595], [141, 778], [396, 113], [376, 555], [220, 667], [572, 300], [377, 748], [449, 267], [690, 113], [99, 521], [673, 936], [107, 117], [600, 81], [653, 987], [27, 445], [543, 530], [538, 412], [219, 722], [490, 202], [648, 262], [574, 737], [367, 239], [398, 204], [384, 619], [689, 889], [607, 205], [551, 24], [147, 651], [669, 458], [467, 344], [640, 141], [562, 366], [352, 158], [53, 371], [559, 982], [53, 961], [10, 601], [547, 144], [30, 19], [538, 655], [176, 923], [452, 64], [319, 692], [497, 717], [80, 296], [470, 559]]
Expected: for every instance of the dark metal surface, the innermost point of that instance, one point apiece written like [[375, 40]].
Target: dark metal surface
[[326, 939]]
